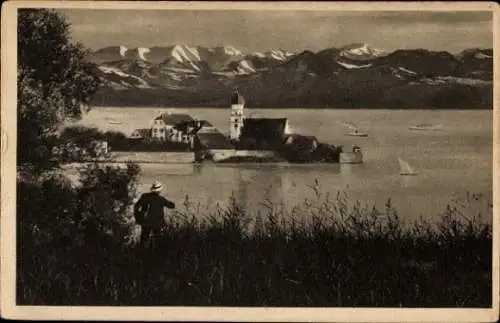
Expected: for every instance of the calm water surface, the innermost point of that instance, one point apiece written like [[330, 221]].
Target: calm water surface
[[450, 162]]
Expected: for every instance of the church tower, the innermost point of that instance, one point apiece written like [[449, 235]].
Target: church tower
[[237, 117]]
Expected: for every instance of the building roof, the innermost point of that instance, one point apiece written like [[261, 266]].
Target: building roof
[[268, 122], [184, 125], [174, 118], [214, 140], [205, 123], [237, 98], [264, 129]]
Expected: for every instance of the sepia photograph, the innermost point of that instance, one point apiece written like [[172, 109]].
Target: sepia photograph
[[223, 156]]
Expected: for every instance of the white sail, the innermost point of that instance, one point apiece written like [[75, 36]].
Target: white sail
[[405, 168]]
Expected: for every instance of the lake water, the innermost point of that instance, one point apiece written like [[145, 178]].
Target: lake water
[[450, 162]]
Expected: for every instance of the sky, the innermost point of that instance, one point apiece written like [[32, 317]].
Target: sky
[[251, 30]]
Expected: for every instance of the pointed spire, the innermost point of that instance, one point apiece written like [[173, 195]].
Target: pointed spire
[[237, 98]]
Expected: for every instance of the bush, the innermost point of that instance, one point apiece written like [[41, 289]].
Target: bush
[[116, 140], [68, 234], [78, 143], [81, 135], [326, 153]]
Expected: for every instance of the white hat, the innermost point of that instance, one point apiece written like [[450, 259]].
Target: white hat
[[156, 187]]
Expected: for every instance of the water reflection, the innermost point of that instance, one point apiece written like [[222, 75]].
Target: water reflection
[[254, 185], [409, 181], [347, 170], [278, 185]]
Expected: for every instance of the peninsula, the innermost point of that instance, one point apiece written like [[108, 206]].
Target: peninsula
[[248, 139]]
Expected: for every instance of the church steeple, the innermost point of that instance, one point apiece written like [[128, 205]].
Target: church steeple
[[237, 98], [237, 116]]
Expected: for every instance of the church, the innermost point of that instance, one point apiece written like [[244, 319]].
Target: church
[[245, 133], [264, 131]]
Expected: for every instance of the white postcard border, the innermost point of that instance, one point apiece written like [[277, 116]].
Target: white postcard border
[[10, 310]]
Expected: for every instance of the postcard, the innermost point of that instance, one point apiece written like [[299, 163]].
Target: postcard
[[250, 161]]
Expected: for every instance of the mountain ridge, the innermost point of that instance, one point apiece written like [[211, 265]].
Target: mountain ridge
[[351, 76]]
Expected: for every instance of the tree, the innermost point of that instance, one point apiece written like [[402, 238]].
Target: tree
[[55, 82], [66, 230]]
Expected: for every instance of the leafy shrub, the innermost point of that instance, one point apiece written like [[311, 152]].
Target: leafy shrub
[[67, 233], [301, 151], [326, 153], [117, 140]]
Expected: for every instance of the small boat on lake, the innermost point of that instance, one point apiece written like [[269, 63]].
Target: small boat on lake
[[405, 168], [111, 120], [424, 127], [355, 132]]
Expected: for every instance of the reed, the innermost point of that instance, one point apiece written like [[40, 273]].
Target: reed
[[322, 253]]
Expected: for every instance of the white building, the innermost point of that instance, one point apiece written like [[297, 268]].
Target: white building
[[164, 126], [237, 116], [257, 128]]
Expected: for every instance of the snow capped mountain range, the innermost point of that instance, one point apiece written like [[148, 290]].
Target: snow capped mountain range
[[184, 53], [345, 76], [194, 59], [361, 52]]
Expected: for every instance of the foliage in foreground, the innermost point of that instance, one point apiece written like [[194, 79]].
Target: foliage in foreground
[[77, 246], [55, 83]]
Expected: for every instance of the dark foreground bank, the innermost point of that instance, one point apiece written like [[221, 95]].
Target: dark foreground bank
[[76, 247]]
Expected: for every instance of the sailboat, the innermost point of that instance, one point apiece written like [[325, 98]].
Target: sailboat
[[355, 132], [405, 168]]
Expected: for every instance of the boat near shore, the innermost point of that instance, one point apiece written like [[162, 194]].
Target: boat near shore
[[354, 130], [357, 133], [112, 121], [425, 127]]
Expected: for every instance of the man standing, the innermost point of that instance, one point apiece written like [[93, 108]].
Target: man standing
[[149, 213]]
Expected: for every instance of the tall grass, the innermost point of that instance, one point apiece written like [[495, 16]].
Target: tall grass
[[322, 253]]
